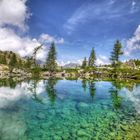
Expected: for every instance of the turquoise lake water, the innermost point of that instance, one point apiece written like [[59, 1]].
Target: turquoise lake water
[[69, 110]]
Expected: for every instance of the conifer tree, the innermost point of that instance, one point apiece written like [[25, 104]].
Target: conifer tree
[[36, 67], [92, 58], [34, 55], [28, 63], [84, 64], [115, 54], [20, 63], [51, 64], [3, 59], [13, 61]]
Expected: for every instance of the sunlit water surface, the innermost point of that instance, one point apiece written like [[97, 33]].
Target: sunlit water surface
[[69, 110]]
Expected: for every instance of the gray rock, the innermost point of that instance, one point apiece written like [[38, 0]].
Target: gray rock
[[41, 116]]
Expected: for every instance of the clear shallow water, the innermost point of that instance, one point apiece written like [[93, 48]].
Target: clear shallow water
[[69, 110]]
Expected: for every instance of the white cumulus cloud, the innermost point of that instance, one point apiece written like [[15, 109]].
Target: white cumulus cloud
[[24, 46], [13, 12], [133, 44], [46, 38]]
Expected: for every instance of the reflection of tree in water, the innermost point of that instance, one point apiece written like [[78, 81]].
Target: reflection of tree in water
[[12, 83], [51, 82], [129, 84], [33, 90], [92, 88], [84, 84], [9, 83], [116, 98]]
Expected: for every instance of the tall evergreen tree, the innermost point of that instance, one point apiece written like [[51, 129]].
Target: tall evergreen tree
[[36, 67], [20, 63], [92, 58], [34, 55], [84, 64], [51, 64], [13, 61], [116, 53], [3, 59], [28, 63]]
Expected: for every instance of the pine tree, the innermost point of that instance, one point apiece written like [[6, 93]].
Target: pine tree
[[115, 54], [20, 63], [34, 55], [92, 58], [84, 64], [13, 61], [36, 67], [4, 60], [28, 63], [51, 64]]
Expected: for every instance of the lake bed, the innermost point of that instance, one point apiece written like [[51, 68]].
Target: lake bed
[[69, 109]]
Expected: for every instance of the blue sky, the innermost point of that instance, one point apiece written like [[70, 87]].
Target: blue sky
[[83, 24]]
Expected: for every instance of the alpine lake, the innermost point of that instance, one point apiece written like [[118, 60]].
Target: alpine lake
[[56, 109]]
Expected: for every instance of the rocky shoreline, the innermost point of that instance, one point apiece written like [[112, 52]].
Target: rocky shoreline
[[6, 73]]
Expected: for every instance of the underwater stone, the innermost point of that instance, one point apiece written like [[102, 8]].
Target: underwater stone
[[84, 124], [66, 111], [56, 137], [44, 126], [52, 112], [83, 138], [65, 136], [82, 105], [81, 133], [124, 127], [41, 116]]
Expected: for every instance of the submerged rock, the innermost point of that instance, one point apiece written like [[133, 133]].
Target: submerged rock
[[82, 133], [41, 116], [56, 137], [82, 105], [84, 125]]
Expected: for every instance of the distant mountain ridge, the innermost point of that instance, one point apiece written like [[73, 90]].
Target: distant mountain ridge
[[71, 65]]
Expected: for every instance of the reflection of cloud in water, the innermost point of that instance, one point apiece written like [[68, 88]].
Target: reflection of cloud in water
[[134, 96], [40, 87], [12, 126], [9, 96]]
